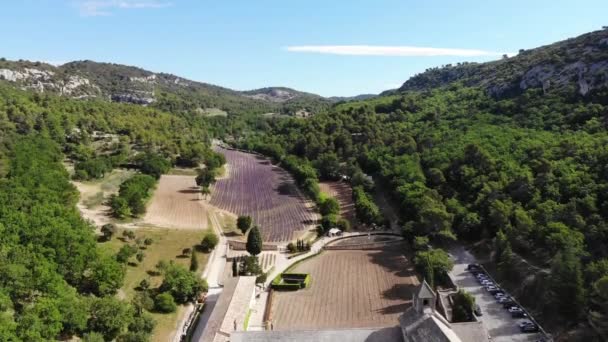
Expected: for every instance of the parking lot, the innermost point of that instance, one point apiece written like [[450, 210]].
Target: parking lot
[[497, 320]]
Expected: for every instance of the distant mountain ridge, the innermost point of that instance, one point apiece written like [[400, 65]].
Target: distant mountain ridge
[[121, 83], [577, 64]]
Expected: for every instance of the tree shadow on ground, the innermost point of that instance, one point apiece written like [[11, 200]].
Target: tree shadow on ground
[[189, 191], [392, 260], [394, 309], [400, 292]]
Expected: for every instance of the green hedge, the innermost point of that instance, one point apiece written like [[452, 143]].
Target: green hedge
[[291, 281]]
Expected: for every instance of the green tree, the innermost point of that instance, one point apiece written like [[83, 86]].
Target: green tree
[[243, 223], [434, 261], [205, 177], [210, 240], [193, 262], [125, 253], [183, 285], [462, 309], [329, 206], [142, 301], [421, 243], [205, 191], [254, 241], [106, 276], [93, 337], [108, 230], [164, 303], [566, 290], [109, 317]]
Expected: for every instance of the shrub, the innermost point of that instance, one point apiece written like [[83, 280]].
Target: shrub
[[329, 206], [243, 223], [164, 303], [125, 253], [291, 248], [421, 243], [343, 225], [108, 231], [209, 242]]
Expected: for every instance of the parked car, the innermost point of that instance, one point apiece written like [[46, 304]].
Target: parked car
[[500, 294], [515, 309], [508, 303], [477, 310], [524, 323], [506, 299], [494, 290], [519, 314], [529, 328], [472, 267], [486, 282]]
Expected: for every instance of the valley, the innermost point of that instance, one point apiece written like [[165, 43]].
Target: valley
[[470, 203]]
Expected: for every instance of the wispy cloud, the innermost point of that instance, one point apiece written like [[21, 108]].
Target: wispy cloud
[[376, 50], [95, 8]]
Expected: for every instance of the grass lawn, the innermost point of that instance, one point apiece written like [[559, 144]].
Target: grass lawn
[[228, 223], [181, 171], [167, 245]]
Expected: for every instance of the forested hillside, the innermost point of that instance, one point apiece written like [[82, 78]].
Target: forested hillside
[[461, 164]]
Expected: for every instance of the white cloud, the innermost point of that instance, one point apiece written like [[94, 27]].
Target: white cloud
[[375, 50], [95, 8]]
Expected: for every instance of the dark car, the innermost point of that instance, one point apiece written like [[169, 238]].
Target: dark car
[[477, 310], [518, 314], [473, 267], [507, 304], [529, 328]]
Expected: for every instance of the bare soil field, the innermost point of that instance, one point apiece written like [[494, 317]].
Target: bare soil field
[[344, 194], [176, 204], [93, 195], [349, 289], [253, 186]]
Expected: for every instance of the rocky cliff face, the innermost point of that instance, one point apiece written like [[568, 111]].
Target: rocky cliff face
[[579, 64], [121, 83]]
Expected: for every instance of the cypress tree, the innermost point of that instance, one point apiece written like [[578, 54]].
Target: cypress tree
[[193, 262], [254, 241]]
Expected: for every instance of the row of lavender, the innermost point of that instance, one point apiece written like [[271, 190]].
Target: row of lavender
[[267, 193]]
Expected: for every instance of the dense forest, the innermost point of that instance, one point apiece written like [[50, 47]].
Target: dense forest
[[54, 281]]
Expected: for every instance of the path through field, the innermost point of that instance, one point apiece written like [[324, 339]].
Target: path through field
[[349, 289], [253, 186], [176, 204]]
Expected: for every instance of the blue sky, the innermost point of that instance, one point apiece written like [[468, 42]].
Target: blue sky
[[329, 47]]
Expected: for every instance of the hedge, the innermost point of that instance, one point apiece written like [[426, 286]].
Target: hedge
[[291, 281]]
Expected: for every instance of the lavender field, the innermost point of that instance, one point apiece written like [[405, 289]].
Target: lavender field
[[267, 193]]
